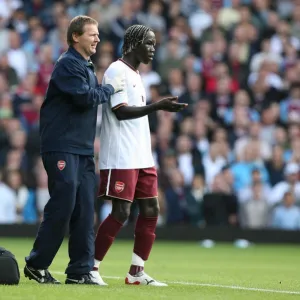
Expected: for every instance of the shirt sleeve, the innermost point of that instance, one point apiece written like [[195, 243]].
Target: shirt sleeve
[[70, 78], [121, 98]]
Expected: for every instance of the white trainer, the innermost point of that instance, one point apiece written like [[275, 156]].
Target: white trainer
[[142, 278], [95, 276]]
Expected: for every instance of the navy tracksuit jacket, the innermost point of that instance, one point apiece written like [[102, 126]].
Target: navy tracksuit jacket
[[67, 131]]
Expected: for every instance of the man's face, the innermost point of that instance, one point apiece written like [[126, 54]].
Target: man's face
[[145, 52], [87, 42], [288, 199]]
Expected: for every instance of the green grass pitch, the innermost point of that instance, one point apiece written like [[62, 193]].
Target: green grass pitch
[[224, 272]]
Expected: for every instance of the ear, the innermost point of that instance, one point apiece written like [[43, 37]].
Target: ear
[[75, 37]]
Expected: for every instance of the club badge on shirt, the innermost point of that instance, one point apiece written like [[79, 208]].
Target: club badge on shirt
[[61, 164]]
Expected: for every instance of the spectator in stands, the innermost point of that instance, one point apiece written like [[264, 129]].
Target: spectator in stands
[[258, 58], [200, 137], [275, 166], [291, 183], [4, 33], [45, 68], [24, 198], [56, 34], [241, 101], [242, 169], [176, 199], [16, 55], [149, 77], [220, 206], [194, 199], [32, 47], [9, 72], [283, 35], [193, 92], [229, 16], [213, 163], [247, 193], [295, 21], [201, 18], [269, 118], [8, 214], [281, 139], [290, 107], [175, 82], [118, 26], [170, 55], [220, 71], [254, 213], [254, 136], [222, 98], [6, 107], [153, 17], [287, 215], [185, 158], [106, 10]]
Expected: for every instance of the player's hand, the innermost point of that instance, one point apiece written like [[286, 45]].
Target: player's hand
[[171, 104], [117, 82]]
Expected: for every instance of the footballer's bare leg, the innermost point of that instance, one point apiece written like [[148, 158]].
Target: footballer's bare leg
[[107, 232], [143, 241]]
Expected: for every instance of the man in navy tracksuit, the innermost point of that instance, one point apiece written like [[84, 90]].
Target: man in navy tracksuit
[[67, 130]]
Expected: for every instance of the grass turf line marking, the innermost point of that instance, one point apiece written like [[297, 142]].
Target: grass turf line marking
[[233, 287]]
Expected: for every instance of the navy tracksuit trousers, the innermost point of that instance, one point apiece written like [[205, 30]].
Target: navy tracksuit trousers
[[72, 184]]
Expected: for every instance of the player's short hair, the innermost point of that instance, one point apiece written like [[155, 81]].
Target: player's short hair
[[134, 36], [77, 25]]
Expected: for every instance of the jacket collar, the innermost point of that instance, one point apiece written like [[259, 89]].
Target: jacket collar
[[88, 62]]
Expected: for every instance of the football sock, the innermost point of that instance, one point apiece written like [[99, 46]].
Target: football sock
[[96, 265], [137, 264], [106, 234], [143, 241]]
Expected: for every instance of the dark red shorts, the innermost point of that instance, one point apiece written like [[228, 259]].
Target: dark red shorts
[[128, 184]]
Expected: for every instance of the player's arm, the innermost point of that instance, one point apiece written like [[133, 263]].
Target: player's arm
[[125, 112], [71, 79]]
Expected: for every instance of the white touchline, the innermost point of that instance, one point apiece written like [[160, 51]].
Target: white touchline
[[233, 287]]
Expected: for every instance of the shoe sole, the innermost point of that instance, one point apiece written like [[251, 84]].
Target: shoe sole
[[139, 283], [84, 283], [131, 283]]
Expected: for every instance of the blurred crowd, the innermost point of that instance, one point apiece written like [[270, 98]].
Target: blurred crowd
[[231, 159]]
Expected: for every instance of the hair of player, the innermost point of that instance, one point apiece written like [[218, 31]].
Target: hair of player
[[77, 27], [134, 36]]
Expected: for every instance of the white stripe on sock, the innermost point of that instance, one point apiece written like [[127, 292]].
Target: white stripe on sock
[[137, 261], [97, 263]]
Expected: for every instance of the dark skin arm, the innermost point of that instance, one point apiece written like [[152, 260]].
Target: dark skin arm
[[133, 112]]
